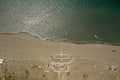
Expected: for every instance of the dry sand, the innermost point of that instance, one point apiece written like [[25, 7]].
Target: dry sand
[[91, 61]]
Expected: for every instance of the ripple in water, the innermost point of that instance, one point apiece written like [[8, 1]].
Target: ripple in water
[[73, 20]]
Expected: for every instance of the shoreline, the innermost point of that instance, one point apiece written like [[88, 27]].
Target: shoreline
[[62, 40]]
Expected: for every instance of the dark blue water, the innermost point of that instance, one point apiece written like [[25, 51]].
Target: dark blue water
[[76, 21]]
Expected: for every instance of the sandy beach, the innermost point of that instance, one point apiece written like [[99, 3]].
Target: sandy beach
[[91, 61]]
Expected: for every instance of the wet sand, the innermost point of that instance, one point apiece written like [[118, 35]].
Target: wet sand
[[91, 61]]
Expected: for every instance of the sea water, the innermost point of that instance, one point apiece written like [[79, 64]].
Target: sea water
[[78, 21]]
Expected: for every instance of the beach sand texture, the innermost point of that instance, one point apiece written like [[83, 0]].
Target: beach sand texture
[[23, 54]]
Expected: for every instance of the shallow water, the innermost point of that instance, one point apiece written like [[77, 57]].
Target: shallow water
[[72, 20]]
